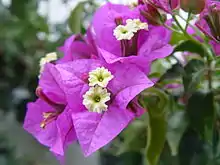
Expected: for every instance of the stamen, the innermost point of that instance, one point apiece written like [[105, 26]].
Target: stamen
[[48, 117]]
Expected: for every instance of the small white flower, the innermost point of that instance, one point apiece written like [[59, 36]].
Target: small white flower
[[136, 24], [122, 32], [126, 32], [100, 76], [133, 4], [95, 99], [48, 58]]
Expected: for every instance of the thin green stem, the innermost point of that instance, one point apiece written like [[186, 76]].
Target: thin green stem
[[197, 31], [204, 45], [172, 29], [178, 24], [188, 20], [209, 64]]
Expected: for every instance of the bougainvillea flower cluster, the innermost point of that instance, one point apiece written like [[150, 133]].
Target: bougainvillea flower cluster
[[92, 93]]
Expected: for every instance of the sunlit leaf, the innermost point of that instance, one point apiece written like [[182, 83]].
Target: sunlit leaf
[[190, 46], [177, 124], [194, 72], [157, 125], [75, 19], [200, 111], [134, 137]]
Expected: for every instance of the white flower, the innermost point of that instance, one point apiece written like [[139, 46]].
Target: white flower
[[100, 76], [48, 58], [95, 99], [126, 32], [136, 24], [133, 5], [122, 32]]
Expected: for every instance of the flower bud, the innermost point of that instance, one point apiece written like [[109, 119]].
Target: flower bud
[[140, 2], [213, 20], [166, 5], [194, 6], [153, 15], [174, 4]]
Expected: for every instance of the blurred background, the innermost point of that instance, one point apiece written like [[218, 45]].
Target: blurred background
[[28, 30]]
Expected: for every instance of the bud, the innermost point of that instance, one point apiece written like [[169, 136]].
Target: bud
[[153, 15], [166, 5], [194, 6], [213, 20], [174, 4], [140, 2]]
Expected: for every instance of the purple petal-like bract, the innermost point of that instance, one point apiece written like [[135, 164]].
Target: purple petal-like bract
[[150, 45], [57, 134], [95, 130]]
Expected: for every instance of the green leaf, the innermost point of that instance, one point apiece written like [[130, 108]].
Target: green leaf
[[190, 46], [157, 125], [75, 19], [200, 111], [176, 38], [174, 72], [194, 71], [134, 137], [38, 22], [191, 149], [156, 137], [177, 124], [160, 66], [128, 158], [20, 8]]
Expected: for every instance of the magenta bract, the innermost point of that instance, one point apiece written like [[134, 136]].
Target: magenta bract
[[44, 118], [94, 130]]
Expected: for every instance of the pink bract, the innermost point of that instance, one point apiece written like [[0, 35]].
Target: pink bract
[[96, 130]]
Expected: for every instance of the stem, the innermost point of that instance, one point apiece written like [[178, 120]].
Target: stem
[[188, 19], [170, 28], [209, 63], [197, 30], [178, 24], [183, 30], [204, 45]]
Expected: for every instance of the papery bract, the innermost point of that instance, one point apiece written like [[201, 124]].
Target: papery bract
[[44, 118], [78, 47], [95, 130]]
